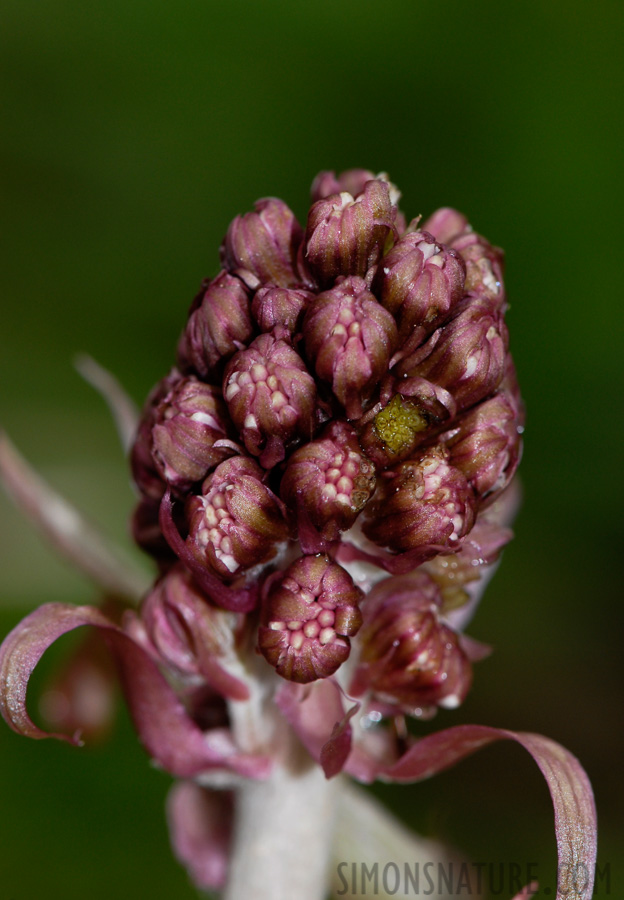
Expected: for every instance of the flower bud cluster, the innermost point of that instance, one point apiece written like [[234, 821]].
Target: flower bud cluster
[[325, 485], [344, 403]]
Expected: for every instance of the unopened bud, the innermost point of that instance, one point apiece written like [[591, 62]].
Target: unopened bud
[[237, 521], [409, 657], [484, 266], [261, 247], [445, 224], [271, 397], [331, 479], [275, 307], [347, 235], [308, 616], [350, 338], [190, 433], [484, 263], [185, 632], [485, 445], [420, 282], [423, 504], [182, 625], [465, 357], [353, 181], [144, 470], [219, 324]]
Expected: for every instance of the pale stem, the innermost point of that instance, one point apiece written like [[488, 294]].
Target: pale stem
[[283, 833]]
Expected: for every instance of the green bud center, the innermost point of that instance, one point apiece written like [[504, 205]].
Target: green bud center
[[397, 424]]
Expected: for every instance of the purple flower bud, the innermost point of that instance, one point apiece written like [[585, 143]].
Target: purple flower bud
[[308, 616], [485, 445], [331, 479], [408, 656], [190, 433], [275, 307], [445, 224], [237, 521], [350, 337], [484, 266], [484, 263], [144, 471], [219, 324], [465, 357], [423, 505], [185, 632], [261, 247], [353, 181], [420, 282], [271, 397], [347, 235], [165, 617]]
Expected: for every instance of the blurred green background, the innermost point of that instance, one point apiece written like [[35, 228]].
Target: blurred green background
[[132, 134]]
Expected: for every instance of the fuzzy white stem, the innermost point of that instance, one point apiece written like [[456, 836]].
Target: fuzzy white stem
[[283, 832]]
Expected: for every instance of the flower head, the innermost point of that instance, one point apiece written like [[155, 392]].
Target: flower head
[[325, 482]]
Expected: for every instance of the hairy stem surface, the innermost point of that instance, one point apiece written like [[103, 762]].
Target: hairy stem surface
[[283, 832]]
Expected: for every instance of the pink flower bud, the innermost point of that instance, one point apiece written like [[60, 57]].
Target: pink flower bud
[[237, 521], [219, 324], [350, 338], [189, 635], [144, 470], [261, 247], [485, 445], [347, 235], [465, 357], [308, 616], [484, 266], [190, 435], [445, 224], [331, 479], [409, 658], [166, 614], [423, 505], [271, 397], [353, 181], [484, 263], [274, 307], [420, 282]]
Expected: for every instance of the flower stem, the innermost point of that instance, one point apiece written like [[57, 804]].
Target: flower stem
[[282, 834]]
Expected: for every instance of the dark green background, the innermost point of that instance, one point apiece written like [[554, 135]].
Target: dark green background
[[132, 134]]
